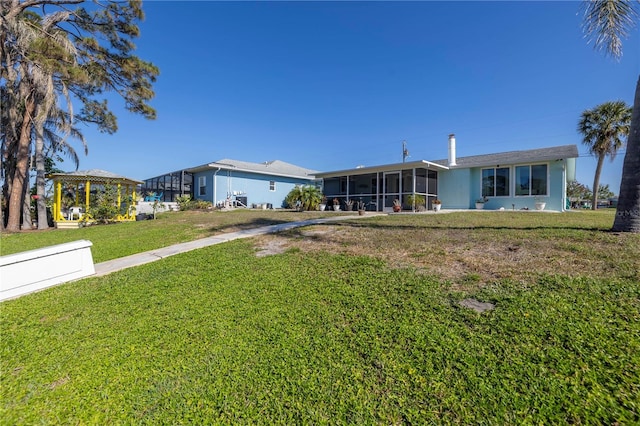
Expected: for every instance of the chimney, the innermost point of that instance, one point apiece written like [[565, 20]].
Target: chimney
[[452, 150]]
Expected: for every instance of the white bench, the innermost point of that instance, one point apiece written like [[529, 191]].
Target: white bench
[[34, 270]]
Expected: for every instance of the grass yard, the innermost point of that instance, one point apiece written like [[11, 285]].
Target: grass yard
[[357, 322], [122, 239]]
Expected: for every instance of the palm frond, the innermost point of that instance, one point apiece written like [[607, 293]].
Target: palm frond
[[607, 22]]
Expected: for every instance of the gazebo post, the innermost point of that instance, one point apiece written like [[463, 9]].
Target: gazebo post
[[119, 199], [87, 193], [57, 207], [128, 195]]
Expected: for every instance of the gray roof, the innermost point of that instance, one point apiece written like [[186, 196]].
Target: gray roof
[[361, 170], [95, 175], [273, 168], [515, 157]]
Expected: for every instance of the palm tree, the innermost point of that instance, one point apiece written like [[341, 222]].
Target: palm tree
[[604, 129], [606, 22], [77, 54]]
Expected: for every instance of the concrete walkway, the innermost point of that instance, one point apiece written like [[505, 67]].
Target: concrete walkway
[[110, 266]]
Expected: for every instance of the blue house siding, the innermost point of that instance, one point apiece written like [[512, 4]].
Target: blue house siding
[[460, 188], [455, 188], [555, 190], [254, 186]]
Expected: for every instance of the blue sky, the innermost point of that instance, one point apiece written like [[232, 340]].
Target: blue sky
[[333, 85]]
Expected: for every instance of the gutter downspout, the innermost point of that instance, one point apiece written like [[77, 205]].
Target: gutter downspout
[[215, 186], [563, 202]]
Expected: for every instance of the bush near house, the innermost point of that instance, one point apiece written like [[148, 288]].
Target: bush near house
[[304, 198]]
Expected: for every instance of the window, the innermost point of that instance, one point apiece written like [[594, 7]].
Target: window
[[202, 185], [495, 182], [362, 184], [531, 180], [272, 185]]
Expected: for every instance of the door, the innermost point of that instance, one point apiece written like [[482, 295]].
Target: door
[[390, 189]]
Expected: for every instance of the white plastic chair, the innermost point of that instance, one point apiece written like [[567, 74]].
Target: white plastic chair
[[75, 211]]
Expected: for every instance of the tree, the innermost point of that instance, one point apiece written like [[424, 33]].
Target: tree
[[604, 192], [577, 191], [604, 130], [77, 53], [606, 22]]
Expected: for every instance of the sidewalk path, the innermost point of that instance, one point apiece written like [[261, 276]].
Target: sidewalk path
[[110, 266]]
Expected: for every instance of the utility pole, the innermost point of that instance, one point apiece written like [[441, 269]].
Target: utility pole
[[405, 151]]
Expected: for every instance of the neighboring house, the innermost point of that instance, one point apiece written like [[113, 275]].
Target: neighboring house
[[509, 180], [240, 183]]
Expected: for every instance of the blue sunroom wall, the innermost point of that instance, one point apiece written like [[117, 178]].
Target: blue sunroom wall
[[454, 188], [254, 186]]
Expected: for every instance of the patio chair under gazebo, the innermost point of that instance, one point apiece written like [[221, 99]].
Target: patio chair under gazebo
[[78, 213]]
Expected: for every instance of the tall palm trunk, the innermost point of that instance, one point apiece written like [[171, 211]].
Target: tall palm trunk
[[42, 112], [22, 167], [26, 203], [628, 210], [41, 202], [596, 181]]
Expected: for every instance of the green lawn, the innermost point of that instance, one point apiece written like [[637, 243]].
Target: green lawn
[[326, 336], [122, 239]]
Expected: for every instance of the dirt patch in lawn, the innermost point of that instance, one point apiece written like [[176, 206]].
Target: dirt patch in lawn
[[466, 257]]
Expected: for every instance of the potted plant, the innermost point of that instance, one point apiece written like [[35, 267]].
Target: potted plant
[[323, 203], [480, 203], [540, 203], [437, 204], [348, 205], [397, 205], [336, 204], [362, 207], [417, 202]]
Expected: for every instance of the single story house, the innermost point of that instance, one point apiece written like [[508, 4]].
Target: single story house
[[509, 180], [244, 184]]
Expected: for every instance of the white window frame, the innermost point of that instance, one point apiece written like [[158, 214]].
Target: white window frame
[[509, 184], [202, 185], [272, 185], [515, 182]]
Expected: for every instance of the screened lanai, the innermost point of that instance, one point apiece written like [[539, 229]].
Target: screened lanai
[[74, 193], [379, 186], [169, 186]]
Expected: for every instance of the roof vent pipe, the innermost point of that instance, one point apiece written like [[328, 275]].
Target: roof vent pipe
[[452, 150]]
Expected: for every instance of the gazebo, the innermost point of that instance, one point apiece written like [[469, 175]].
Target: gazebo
[[126, 195]]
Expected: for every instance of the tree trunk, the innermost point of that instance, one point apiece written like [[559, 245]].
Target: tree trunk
[[596, 181], [628, 210], [22, 167], [41, 202], [26, 203]]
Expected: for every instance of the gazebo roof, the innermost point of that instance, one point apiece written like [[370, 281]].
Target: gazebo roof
[[95, 176]]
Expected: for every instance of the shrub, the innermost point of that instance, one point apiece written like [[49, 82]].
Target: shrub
[[305, 197], [103, 206], [201, 204], [185, 202], [416, 200]]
